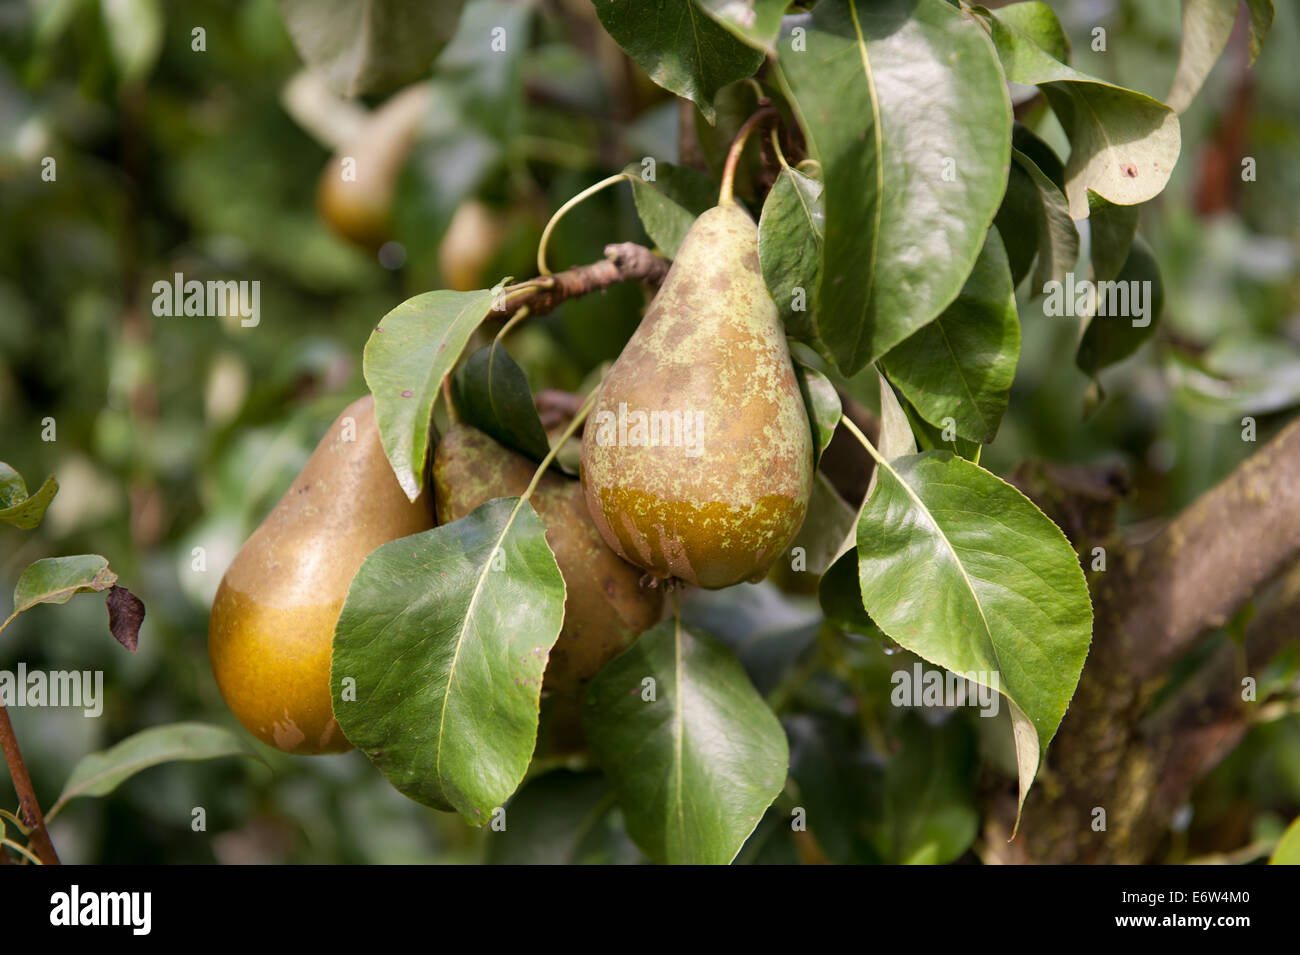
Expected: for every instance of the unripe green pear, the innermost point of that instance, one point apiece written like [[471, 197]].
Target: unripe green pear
[[697, 458], [271, 632], [605, 606]]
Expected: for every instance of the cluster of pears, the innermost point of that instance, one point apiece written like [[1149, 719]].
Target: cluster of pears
[[718, 498], [712, 511], [272, 625]]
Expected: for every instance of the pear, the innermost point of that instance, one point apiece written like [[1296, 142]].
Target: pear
[[272, 625], [605, 606], [360, 209], [697, 459]]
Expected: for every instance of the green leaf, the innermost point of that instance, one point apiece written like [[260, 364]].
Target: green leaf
[[98, 774], [1112, 337], [16, 506], [1288, 847], [406, 358], [446, 634], [837, 591], [930, 812], [830, 521], [753, 22], [669, 205], [492, 394], [904, 105], [1038, 22], [562, 818], [1207, 24], [961, 365], [371, 45], [993, 589], [1112, 229], [679, 47], [1123, 144], [696, 766], [931, 437], [790, 249], [1035, 224], [54, 580], [819, 397]]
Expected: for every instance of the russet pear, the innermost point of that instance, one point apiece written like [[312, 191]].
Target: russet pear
[[271, 631], [605, 607], [697, 458]]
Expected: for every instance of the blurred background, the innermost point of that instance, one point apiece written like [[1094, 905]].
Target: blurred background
[[181, 432]]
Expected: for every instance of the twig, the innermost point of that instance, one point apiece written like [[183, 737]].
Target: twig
[[29, 808], [623, 262]]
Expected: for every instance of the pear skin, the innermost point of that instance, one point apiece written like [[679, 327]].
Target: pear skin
[[271, 632], [605, 606], [697, 459]]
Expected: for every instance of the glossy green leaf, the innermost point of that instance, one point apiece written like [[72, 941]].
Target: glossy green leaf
[[1112, 229], [819, 397], [54, 580], [406, 358], [1051, 239], [829, 522], [367, 45], [790, 249], [754, 22], [442, 641], [960, 568], [16, 506], [98, 774], [931, 437], [1038, 22], [1112, 337], [837, 591], [1123, 144], [694, 767], [669, 205], [1207, 24], [492, 394], [961, 365], [679, 46], [904, 105]]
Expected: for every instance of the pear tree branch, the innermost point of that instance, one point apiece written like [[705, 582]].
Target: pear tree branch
[[623, 262], [1125, 745]]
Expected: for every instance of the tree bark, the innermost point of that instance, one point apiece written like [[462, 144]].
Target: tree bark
[[1154, 602]]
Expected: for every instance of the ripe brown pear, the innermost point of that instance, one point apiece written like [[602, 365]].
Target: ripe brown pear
[[360, 209], [697, 459], [605, 607], [272, 625]]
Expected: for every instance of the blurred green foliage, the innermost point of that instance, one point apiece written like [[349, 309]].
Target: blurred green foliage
[[175, 433]]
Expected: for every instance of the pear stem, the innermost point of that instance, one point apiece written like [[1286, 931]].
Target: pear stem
[[559, 214], [514, 320], [569, 432], [737, 147]]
